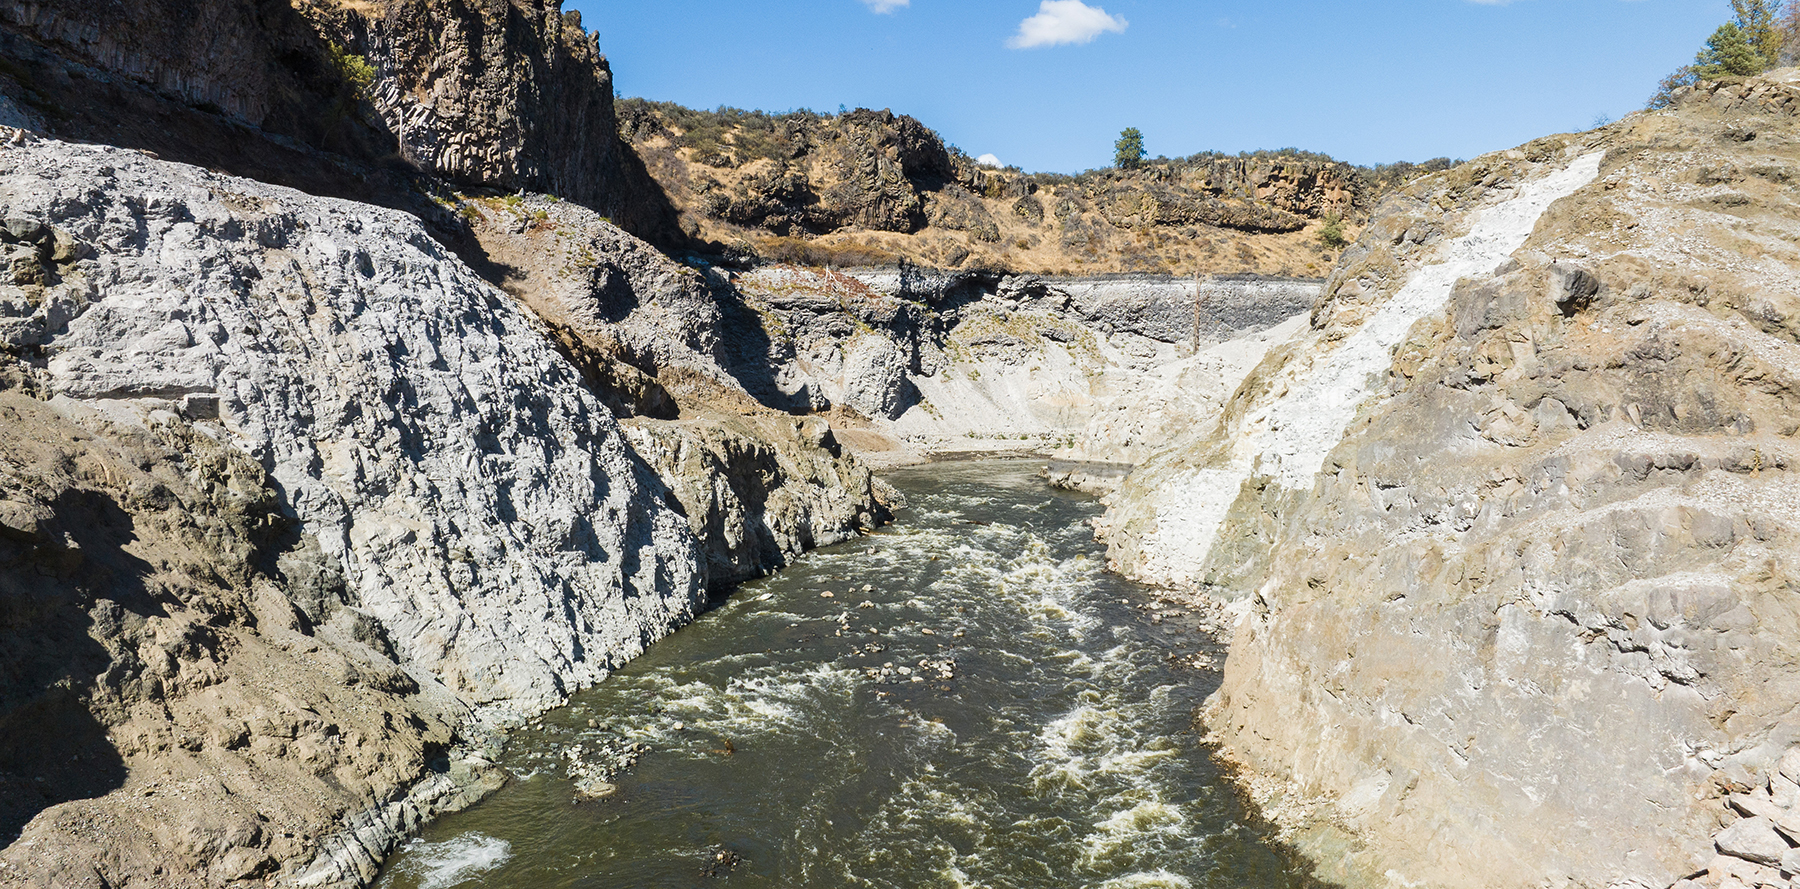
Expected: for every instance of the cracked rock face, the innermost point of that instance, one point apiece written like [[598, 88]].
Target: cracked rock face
[[483, 505], [1518, 583]]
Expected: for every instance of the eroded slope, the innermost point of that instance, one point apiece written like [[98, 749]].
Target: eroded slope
[[1518, 562]]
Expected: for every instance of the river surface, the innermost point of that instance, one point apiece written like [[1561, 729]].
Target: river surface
[[978, 703]]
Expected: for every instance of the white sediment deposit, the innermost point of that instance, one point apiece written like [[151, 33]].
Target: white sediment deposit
[[1511, 529], [1313, 398], [1098, 369]]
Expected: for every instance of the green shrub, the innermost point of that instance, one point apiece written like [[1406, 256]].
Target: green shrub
[[1332, 233], [1729, 53], [353, 70]]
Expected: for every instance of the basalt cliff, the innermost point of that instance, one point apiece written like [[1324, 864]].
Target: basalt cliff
[[871, 188]]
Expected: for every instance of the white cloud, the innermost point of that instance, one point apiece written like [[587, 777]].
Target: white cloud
[[1064, 21], [886, 6], [988, 160]]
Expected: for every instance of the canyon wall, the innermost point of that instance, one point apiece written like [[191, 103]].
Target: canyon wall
[[481, 533], [870, 187], [375, 101], [319, 504], [1511, 525]]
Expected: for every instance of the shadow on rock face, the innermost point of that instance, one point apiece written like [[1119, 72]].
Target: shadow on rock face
[[52, 751], [55, 579], [751, 355]]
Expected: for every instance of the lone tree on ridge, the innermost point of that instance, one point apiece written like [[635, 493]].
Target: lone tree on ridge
[[1128, 152]]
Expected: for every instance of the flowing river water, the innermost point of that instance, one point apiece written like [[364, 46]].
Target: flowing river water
[[978, 703]]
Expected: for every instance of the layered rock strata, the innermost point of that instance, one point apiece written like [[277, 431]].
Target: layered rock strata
[[1511, 525], [484, 533], [942, 362]]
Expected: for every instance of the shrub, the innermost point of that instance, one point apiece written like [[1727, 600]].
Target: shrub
[[1332, 233], [1729, 53], [353, 70]]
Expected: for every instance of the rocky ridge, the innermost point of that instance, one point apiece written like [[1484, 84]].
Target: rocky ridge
[[872, 187], [381, 101], [1510, 526]]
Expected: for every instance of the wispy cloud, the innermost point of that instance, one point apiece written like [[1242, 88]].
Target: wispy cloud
[[886, 6], [1064, 21]]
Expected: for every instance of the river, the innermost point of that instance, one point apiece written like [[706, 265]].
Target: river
[[976, 703]]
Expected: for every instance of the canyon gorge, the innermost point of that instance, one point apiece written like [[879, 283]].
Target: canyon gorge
[[366, 401]]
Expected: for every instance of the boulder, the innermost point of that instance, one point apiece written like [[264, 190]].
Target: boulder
[[1753, 839]]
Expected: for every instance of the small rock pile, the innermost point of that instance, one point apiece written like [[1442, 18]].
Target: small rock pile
[[593, 771], [928, 669], [1759, 848]]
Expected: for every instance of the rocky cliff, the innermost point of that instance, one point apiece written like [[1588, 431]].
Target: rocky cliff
[[375, 100], [1511, 525], [480, 526], [871, 187]]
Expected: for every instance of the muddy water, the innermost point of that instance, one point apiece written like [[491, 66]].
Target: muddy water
[[977, 703]]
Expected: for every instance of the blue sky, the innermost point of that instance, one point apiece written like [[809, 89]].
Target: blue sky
[[1366, 81]]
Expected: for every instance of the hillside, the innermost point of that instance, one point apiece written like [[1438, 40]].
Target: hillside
[[873, 188], [1512, 526]]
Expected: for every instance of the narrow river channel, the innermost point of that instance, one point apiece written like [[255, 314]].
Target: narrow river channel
[[977, 703]]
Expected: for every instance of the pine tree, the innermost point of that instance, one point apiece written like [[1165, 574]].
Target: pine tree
[[1757, 19], [1761, 35], [1729, 53], [1790, 35], [1128, 152]]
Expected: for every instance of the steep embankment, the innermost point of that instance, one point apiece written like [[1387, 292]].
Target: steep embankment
[[867, 187], [1513, 525], [487, 518], [374, 100], [315, 501]]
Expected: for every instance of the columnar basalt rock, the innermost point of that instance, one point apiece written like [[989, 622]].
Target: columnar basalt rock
[[512, 95], [869, 187], [370, 99]]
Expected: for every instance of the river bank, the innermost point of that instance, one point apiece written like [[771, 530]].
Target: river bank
[[966, 697]]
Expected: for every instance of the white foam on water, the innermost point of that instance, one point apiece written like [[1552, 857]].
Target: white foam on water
[[769, 700], [1160, 879], [1135, 831], [453, 861]]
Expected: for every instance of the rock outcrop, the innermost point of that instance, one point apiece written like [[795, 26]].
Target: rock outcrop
[[871, 187], [675, 353], [375, 100], [481, 528], [1512, 526]]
